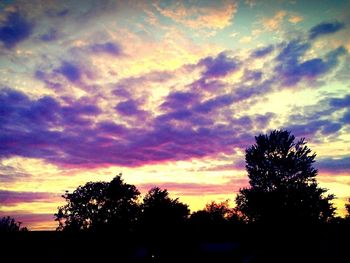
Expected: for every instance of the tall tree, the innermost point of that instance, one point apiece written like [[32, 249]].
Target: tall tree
[[283, 187], [100, 205]]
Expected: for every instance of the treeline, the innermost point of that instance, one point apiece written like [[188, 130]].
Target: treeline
[[282, 191]]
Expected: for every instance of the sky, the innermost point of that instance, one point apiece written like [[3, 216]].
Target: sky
[[168, 93]]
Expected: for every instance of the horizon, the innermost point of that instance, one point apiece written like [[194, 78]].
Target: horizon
[[168, 93]]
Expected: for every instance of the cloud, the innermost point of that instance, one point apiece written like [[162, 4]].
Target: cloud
[[178, 99], [295, 19], [346, 117], [334, 165], [196, 114], [129, 108], [9, 198], [10, 174], [219, 66], [216, 15], [250, 75], [340, 102], [325, 28], [196, 189], [216, 102], [34, 221], [70, 71], [14, 29], [65, 135], [262, 52], [273, 23], [291, 71], [31, 127], [50, 35], [108, 48], [313, 119]]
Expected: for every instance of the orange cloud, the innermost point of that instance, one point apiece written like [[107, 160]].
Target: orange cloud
[[210, 17], [295, 19], [274, 22]]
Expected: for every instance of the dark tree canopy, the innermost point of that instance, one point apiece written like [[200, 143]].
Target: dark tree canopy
[[158, 209], [100, 205], [216, 213], [9, 224], [347, 207], [283, 188]]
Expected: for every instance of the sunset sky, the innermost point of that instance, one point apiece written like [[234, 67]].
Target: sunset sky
[[169, 93]]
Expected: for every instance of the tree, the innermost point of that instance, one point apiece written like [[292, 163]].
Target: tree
[[159, 210], [283, 187], [9, 224], [99, 206], [216, 213], [347, 207]]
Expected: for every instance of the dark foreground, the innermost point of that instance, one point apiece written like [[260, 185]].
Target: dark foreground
[[246, 244]]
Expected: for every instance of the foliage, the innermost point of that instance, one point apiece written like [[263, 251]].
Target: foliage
[[9, 224], [158, 209], [347, 207], [215, 213], [283, 188], [99, 206]]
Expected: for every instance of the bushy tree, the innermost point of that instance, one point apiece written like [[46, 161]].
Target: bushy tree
[[213, 212], [9, 224], [283, 187], [100, 206], [159, 210]]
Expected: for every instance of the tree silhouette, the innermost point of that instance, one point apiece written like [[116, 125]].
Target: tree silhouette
[[216, 213], [347, 207], [100, 206], [159, 210], [283, 188], [9, 224]]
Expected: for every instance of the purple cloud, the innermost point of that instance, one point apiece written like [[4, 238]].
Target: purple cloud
[[331, 128], [14, 29], [340, 102], [32, 220], [262, 121], [291, 71], [11, 174], [28, 130], [310, 128], [219, 66], [69, 71], [250, 75], [211, 104], [179, 99], [175, 115], [205, 84], [108, 47], [346, 117], [13, 197], [128, 108], [121, 92], [261, 52], [319, 119], [50, 35], [334, 165], [325, 28]]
